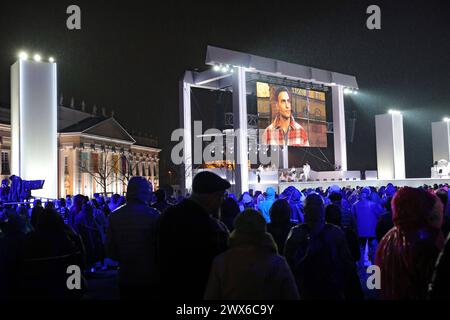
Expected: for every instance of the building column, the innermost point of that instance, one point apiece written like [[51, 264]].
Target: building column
[[340, 144], [157, 171], [441, 140], [185, 122], [390, 146], [240, 129], [76, 171], [152, 171]]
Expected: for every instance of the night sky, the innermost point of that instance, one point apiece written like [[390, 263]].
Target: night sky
[[129, 57]]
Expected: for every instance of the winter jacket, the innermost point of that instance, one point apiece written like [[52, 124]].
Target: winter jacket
[[366, 213], [251, 270], [322, 264], [131, 240], [189, 238], [440, 285], [264, 206]]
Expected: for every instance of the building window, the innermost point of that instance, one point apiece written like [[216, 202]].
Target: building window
[[66, 165], [5, 163]]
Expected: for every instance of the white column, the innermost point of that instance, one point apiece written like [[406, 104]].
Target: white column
[[33, 124], [62, 175], [390, 146], [156, 171], [285, 157], [340, 144], [240, 129], [75, 171], [186, 124], [441, 140], [152, 171]]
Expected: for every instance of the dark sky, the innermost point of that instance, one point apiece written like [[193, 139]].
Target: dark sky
[[129, 56]]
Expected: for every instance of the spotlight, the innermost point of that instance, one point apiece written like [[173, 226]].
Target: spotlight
[[355, 92], [446, 119], [394, 112], [37, 58], [51, 60], [225, 69], [347, 91], [216, 68], [23, 55]]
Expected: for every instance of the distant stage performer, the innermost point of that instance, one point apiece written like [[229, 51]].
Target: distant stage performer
[[284, 130], [306, 171]]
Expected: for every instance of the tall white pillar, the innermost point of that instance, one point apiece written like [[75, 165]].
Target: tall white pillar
[[340, 144], [186, 124], [285, 157], [390, 146], [240, 129], [441, 140], [34, 124]]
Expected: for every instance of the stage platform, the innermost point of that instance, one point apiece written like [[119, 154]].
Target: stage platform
[[412, 182], [322, 179]]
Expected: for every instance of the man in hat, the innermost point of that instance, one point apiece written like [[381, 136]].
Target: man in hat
[[189, 238]]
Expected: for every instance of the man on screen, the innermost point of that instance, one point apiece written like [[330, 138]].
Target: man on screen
[[284, 130]]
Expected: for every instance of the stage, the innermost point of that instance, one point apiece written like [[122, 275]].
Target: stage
[[322, 179], [412, 182]]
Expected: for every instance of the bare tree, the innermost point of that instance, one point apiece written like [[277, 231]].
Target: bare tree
[[102, 172], [131, 166], [108, 171]]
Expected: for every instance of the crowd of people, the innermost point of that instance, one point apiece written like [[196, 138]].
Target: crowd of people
[[299, 244]]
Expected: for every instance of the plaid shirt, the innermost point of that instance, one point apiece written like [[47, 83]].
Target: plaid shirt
[[295, 136]]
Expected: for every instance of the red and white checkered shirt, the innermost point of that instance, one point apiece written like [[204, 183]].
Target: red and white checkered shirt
[[295, 136]]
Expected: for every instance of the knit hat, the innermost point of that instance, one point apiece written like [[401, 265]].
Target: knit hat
[[250, 222], [206, 182], [139, 188]]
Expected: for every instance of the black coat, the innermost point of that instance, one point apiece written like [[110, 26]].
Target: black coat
[[440, 286], [322, 264], [131, 240], [188, 240]]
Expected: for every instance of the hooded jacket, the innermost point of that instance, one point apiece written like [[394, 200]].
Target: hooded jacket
[[251, 268], [295, 199], [408, 252], [264, 206]]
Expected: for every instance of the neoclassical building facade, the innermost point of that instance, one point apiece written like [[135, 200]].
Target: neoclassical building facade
[[96, 153]]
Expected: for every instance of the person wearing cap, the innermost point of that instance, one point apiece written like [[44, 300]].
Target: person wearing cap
[[131, 240], [319, 257], [251, 269], [367, 214], [189, 237]]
